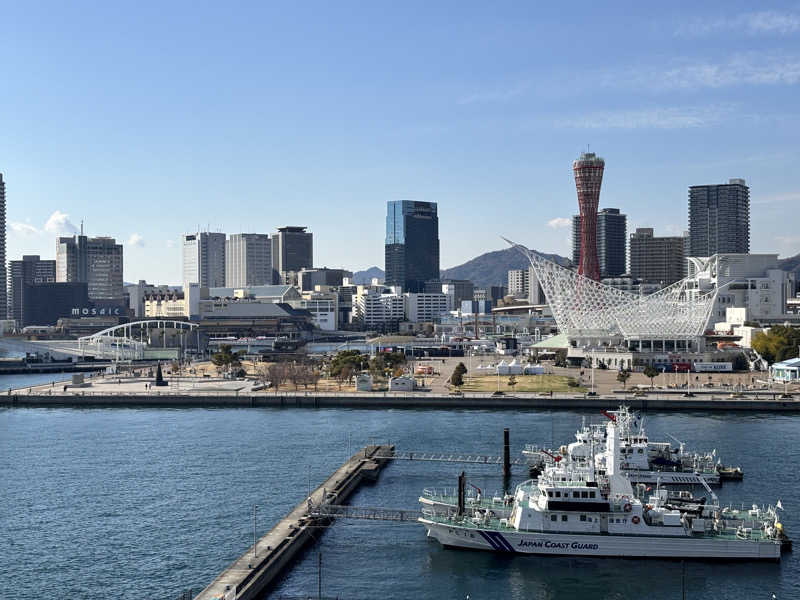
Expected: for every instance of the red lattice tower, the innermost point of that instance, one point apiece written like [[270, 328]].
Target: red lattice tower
[[588, 170]]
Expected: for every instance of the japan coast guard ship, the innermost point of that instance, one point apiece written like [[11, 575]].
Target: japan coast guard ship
[[578, 511], [644, 461]]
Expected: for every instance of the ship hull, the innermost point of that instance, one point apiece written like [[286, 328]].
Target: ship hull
[[563, 544]]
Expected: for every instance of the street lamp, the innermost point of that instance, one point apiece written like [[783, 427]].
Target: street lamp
[[255, 506]]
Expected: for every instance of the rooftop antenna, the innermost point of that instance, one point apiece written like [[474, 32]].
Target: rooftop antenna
[[81, 226]]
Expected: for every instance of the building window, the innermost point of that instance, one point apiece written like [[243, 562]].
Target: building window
[[591, 494], [576, 494], [553, 517], [564, 517], [583, 517]]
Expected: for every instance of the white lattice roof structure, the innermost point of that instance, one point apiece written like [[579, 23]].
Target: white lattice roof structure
[[586, 309]]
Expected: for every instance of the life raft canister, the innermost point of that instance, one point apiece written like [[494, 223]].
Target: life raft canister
[[627, 507]]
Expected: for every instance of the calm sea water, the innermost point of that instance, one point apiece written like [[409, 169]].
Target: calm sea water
[[143, 503]]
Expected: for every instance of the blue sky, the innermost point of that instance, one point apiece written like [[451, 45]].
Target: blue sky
[[148, 119]]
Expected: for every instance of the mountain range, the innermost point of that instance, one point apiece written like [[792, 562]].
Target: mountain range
[[490, 268]]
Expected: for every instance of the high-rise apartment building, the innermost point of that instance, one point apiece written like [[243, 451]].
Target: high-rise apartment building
[[719, 218], [588, 170], [3, 274], [612, 238], [31, 270], [412, 244], [204, 259], [656, 259], [518, 283], [248, 260], [96, 261], [292, 250]]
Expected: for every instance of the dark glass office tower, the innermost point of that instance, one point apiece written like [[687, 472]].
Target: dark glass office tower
[[412, 244]]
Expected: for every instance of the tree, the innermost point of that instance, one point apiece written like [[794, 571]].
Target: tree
[[350, 358], [512, 381], [740, 363], [277, 375], [561, 358], [461, 368], [651, 373], [778, 344], [225, 358], [456, 379], [623, 377]]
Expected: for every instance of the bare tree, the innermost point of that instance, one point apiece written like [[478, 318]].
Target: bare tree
[[277, 375]]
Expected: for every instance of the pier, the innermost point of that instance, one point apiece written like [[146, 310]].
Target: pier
[[253, 572]]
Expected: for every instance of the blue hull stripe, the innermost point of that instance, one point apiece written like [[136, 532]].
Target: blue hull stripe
[[501, 541], [491, 541]]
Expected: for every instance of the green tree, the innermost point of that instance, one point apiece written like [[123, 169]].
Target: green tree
[[778, 344], [457, 379], [623, 377], [512, 381], [348, 358], [461, 368], [225, 359], [651, 373]]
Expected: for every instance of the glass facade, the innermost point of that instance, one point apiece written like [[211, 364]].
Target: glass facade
[[412, 244]]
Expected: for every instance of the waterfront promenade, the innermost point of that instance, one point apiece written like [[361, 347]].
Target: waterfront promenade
[[111, 391]]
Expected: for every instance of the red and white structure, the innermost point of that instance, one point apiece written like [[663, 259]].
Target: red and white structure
[[588, 170]]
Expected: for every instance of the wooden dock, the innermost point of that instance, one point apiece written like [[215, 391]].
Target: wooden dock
[[254, 571]]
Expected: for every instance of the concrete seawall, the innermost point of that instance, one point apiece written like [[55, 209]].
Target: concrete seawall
[[770, 402], [254, 571]]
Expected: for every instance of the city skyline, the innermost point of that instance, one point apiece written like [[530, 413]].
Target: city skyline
[[478, 117]]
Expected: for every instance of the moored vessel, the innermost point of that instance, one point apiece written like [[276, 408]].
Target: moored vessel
[[588, 508]]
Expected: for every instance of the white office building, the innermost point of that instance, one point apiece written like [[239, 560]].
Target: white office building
[[749, 281], [204, 259], [425, 308], [373, 308], [248, 260]]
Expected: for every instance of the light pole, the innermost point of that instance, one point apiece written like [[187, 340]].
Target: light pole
[[255, 506]]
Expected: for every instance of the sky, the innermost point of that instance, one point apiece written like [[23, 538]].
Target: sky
[[149, 120]]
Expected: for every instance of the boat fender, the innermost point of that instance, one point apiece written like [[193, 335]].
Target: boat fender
[[627, 507], [635, 520]]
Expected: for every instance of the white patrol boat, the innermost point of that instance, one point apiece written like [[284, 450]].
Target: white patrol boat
[[577, 510], [643, 461]]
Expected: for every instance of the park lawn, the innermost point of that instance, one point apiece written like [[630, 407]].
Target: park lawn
[[525, 383]]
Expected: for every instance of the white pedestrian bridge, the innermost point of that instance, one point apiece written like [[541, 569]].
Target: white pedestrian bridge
[[134, 340]]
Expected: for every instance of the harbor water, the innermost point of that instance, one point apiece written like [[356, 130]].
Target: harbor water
[[146, 503]]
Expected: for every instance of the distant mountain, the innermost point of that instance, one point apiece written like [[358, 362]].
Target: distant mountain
[[365, 277], [492, 268], [791, 264], [485, 270]]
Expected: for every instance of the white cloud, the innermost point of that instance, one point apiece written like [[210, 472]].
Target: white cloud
[[136, 240], [23, 228], [755, 23], [59, 223], [559, 222], [170, 243], [649, 118]]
